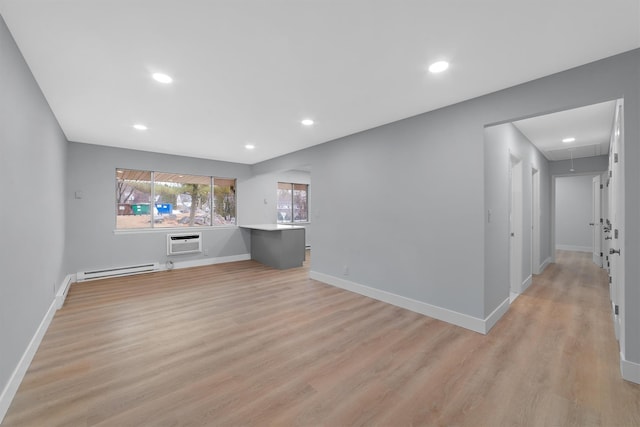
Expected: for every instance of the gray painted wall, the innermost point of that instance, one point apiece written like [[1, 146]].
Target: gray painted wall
[[574, 196], [500, 142], [396, 206], [32, 167], [91, 241], [582, 165], [403, 204]]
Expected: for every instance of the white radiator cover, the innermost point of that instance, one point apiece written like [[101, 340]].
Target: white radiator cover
[[116, 271], [184, 243]]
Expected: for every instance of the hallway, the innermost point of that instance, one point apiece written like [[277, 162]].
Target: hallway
[[562, 367]]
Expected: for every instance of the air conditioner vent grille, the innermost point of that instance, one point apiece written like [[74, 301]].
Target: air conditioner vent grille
[[184, 237], [184, 243]]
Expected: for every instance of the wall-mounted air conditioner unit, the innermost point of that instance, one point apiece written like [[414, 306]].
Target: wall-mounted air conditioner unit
[[184, 243]]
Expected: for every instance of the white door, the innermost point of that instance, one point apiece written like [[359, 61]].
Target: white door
[[616, 215], [515, 226], [596, 214]]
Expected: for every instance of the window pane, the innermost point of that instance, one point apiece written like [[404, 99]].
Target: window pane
[[182, 200], [133, 199], [300, 210], [224, 201], [285, 202], [292, 202], [173, 200]]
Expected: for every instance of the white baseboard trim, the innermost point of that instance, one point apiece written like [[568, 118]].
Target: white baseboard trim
[[544, 265], [206, 261], [630, 370], [63, 290], [574, 248], [18, 373], [455, 318], [527, 282], [496, 314]]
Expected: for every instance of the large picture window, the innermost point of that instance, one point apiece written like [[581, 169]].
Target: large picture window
[[293, 202], [148, 199]]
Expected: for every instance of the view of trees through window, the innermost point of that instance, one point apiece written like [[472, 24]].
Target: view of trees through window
[[292, 202], [147, 199]]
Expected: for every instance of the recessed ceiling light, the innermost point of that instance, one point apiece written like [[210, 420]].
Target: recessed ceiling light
[[249, 146], [307, 122], [162, 78], [438, 67], [568, 140], [140, 126]]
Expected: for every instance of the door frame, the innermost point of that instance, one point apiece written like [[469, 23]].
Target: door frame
[[596, 220], [535, 221], [617, 215], [516, 221]]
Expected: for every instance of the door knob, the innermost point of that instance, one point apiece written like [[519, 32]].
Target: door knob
[[614, 251], [591, 223]]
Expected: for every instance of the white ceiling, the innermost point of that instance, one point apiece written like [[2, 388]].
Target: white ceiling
[[250, 70], [590, 126]]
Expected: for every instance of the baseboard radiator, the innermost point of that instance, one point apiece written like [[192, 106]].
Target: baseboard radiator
[[117, 271]]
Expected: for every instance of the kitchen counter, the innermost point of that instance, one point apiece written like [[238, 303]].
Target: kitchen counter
[[271, 227], [277, 245]]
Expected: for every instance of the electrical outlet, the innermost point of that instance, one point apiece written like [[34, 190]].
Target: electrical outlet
[[345, 270], [206, 252]]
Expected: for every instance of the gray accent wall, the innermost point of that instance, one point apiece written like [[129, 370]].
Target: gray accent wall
[[92, 242], [403, 205], [32, 171], [574, 198]]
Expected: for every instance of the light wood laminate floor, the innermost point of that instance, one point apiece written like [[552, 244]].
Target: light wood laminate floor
[[241, 344]]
